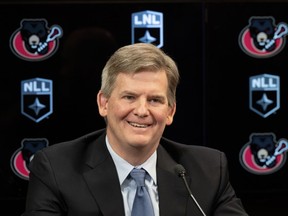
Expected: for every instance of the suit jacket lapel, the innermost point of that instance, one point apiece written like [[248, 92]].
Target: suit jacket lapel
[[173, 194], [174, 198], [102, 179]]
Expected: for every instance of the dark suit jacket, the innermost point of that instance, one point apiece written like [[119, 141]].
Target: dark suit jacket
[[79, 178]]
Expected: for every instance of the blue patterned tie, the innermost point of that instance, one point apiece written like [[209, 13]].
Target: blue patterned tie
[[142, 205]]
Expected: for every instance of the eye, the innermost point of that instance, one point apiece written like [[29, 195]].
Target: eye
[[157, 100], [129, 97]]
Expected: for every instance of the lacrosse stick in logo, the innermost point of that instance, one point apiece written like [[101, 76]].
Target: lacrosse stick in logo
[[280, 32], [282, 147], [55, 32]]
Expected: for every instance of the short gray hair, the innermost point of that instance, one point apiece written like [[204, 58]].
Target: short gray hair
[[135, 58]]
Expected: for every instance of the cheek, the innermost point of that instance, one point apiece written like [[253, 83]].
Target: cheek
[[117, 109], [161, 116]]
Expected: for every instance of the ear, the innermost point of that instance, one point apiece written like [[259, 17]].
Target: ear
[[171, 113], [102, 104]]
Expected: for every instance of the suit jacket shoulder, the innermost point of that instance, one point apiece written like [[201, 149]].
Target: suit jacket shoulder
[[207, 175]]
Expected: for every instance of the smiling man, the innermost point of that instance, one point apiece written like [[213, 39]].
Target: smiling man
[[94, 175]]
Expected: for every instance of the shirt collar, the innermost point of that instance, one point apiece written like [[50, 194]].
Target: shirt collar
[[124, 168]]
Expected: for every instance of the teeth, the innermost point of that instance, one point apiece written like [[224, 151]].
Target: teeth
[[138, 125]]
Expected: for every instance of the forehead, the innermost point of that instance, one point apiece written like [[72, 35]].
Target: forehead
[[146, 82], [145, 75]]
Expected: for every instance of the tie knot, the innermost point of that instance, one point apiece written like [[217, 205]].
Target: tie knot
[[139, 176]]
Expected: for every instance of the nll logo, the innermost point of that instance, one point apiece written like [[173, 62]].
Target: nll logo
[[36, 98], [264, 94], [147, 27]]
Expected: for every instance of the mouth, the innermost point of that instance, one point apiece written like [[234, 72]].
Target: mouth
[[133, 124]]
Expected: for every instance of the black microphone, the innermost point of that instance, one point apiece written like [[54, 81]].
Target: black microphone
[[181, 172]]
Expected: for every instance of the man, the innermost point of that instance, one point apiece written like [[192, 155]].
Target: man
[[91, 175]]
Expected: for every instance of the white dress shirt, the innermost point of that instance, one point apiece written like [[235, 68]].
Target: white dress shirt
[[128, 187]]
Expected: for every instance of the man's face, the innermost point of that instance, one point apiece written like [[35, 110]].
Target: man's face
[[137, 111]]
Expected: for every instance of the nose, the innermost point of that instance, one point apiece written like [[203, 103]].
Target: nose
[[141, 108]]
